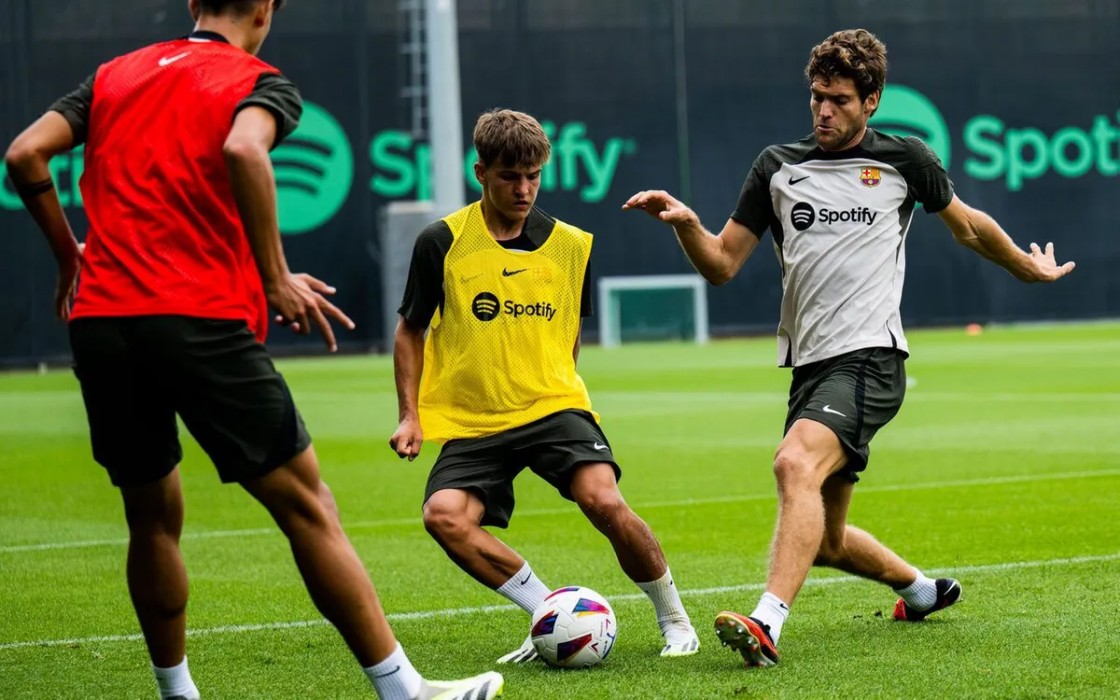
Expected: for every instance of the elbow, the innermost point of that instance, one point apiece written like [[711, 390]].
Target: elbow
[[241, 151], [719, 275], [718, 278], [12, 157], [21, 155], [722, 264]]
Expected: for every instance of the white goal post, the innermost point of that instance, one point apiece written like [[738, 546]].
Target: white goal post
[[610, 302]]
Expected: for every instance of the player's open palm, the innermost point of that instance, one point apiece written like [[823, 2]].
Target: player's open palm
[[407, 439], [300, 300], [1046, 268], [662, 206]]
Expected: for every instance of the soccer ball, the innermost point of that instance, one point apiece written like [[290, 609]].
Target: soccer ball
[[573, 628]]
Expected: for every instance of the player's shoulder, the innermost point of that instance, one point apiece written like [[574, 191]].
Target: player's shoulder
[[264, 66], [774, 156], [539, 218], [540, 225], [790, 151], [900, 151], [435, 235], [170, 48], [270, 82], [158, 49]]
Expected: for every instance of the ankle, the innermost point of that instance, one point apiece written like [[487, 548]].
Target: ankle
[[921, 594], [175, 681], [666, 601], [772, 612]]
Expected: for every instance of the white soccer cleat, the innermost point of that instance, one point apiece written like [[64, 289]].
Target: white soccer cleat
[[681, 643], [487, 686], [522, 654]]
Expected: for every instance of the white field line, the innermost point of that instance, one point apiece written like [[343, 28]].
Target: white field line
[[391, 522], [459, 612]]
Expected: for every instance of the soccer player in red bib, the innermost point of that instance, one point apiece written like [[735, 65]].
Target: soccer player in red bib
[[182, 260]]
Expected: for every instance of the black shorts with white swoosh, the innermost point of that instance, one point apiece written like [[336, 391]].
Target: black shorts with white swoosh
[[854, 394], [551, 447]]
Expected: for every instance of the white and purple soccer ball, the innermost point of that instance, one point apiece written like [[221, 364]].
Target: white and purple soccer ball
[[574, 627]]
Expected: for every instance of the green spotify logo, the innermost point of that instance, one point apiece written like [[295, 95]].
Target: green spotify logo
[[996, 150], [904, 111], [314, 170]]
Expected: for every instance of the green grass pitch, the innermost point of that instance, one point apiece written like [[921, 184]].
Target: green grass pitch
[[1003, 469]]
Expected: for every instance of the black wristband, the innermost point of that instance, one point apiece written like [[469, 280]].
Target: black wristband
[[34, 189]]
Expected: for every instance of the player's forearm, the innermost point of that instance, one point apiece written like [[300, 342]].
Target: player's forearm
[[989, 240], [408, 366], [31, 175], [254, 190], [706, 252]]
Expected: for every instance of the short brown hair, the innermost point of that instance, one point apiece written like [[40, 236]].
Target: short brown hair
[[237, 7], [510, 138], [852, 53]]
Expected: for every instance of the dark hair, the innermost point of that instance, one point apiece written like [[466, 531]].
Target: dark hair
[[237, 7], [510, 138], [853, 53]]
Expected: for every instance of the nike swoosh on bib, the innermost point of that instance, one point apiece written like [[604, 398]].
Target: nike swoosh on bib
[[166, 61]]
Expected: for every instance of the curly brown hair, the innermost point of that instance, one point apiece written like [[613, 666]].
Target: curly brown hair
[[852, 53], [510, 138]]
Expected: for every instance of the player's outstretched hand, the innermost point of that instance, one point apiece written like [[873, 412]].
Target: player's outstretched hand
[[68, 268], [662, 206], [408, 438], [301, 300], [1045, 267]]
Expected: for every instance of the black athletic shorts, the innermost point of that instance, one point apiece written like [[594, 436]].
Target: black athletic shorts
[[552, 447], [854, 394], [138, 372]]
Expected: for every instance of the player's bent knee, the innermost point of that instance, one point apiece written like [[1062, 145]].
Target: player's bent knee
[[310, 518], [605, 505], [593, 479], [299, 510], [792, 470], [445, 521]]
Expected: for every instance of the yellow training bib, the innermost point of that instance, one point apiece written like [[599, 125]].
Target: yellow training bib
[[499, 353]]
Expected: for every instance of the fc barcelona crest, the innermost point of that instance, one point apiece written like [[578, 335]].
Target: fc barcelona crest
[[870, 176]]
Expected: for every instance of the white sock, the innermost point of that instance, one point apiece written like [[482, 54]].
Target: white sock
[[666, 599], [525, 589], [395, 678], [772, 612], [920, 595], [175, 681]]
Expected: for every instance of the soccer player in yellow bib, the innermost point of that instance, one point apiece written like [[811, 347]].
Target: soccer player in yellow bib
[[502, 289]]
